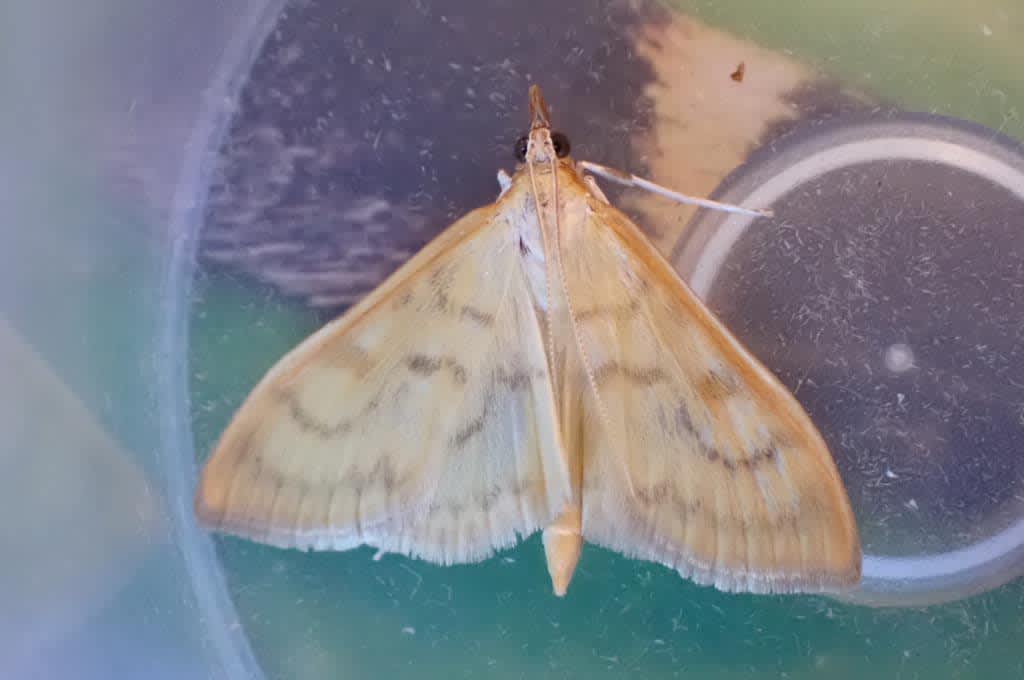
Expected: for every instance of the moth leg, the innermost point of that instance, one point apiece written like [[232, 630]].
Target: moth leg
[[640, 183], [504, 182], [595, 190]]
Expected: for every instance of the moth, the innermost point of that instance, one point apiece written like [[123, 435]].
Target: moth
[[539, 365]]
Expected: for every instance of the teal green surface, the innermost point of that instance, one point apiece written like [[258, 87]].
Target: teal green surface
[[957, 59], [344, 615]]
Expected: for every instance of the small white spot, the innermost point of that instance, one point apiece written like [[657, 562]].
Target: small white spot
[[408, 630], [890, 474], [378, 555], [899, 358], [912, 504], [290, 55], [504, 182], [986, 30], [508, 560]]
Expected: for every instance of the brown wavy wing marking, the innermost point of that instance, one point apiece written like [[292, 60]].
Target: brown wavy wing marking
[[420, 422]]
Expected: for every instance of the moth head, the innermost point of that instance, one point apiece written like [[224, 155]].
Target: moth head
[[541, 144]]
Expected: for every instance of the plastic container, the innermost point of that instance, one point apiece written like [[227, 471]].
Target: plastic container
[[112, 112], [189, 188]]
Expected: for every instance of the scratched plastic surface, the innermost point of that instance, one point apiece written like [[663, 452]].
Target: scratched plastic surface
[[190, 188]]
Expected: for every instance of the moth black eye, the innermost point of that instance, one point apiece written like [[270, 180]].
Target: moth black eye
[[520, 148], [561, 144]]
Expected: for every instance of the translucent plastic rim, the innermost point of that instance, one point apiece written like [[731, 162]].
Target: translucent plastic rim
[[231, 652]]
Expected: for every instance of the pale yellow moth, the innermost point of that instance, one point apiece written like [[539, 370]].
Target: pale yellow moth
[[538, 365]]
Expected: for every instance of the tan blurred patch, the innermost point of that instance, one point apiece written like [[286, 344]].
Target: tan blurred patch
[[706, 123]]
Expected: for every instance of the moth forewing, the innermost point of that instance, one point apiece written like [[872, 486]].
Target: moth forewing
[[699, 458], [421, 422]]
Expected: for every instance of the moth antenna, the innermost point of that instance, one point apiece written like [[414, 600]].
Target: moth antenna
[[630, 180]]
